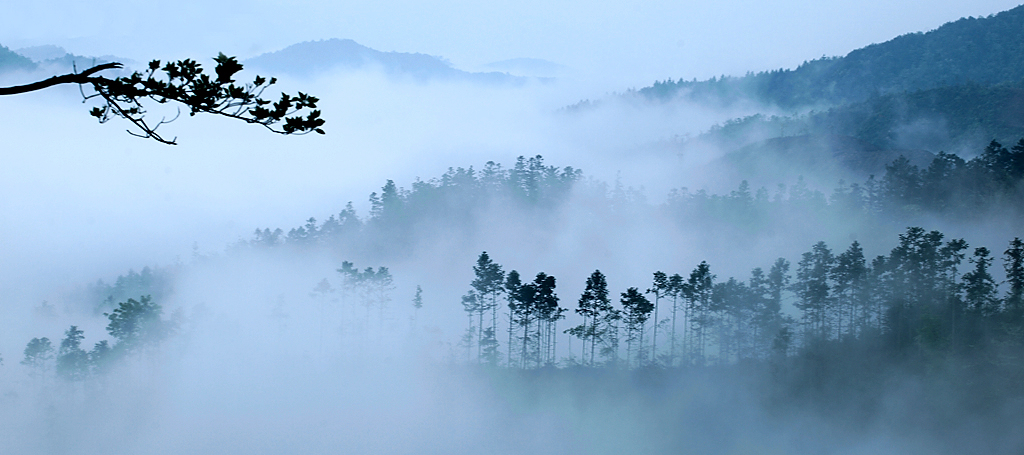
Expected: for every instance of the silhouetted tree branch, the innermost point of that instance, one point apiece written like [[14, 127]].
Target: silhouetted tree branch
[[74, 78], [185, 82]]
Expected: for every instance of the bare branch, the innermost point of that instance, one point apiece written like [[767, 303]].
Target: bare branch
[[149, 133], [73, 78]]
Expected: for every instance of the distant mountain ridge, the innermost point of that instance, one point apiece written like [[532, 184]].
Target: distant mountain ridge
[[12, 61], [970, 50], [313, 57], [43, 52], [952, 89], [47, 60]]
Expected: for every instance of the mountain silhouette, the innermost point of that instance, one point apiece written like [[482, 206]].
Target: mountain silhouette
[[316, 57]]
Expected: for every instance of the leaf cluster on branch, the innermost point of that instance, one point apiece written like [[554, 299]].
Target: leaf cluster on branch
[[185, 82]]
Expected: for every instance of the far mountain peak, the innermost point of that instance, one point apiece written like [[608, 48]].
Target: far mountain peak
[[313, 57]]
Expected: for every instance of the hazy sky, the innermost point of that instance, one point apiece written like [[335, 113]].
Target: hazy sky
[[627, 43]]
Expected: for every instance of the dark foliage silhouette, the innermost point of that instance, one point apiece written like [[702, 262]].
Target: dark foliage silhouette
[[186, 83]]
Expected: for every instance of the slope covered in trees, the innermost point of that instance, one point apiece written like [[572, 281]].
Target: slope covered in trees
[[833, 334], [980, 50], [452, 204], [530, 196], [951, 118], [954, 88], [400, 221], [833, 292], [12, 61]]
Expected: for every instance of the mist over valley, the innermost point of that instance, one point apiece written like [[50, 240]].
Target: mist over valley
[[517, 253]]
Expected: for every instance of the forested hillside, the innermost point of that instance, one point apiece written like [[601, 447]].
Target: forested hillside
[[951, 89], [839, 269], [984, 51], [531, 193], [950, 119], [947, 187], [832, 332], [11, 61]]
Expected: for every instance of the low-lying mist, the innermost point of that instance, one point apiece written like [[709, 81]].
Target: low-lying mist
[[138, 202], [269, 348]]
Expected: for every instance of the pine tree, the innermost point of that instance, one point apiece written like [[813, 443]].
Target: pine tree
[[637, 309], [918, 279], [757, 288], [136, 324], [488, 284], [72, 361], [38, 352], [349, 279], [489, 347], [676, 289], [730, 301], [1013, 264], [383, 283], [777, 325], [900, 187], [548, 314], [351, 295], [813, 289], [525, 315], [660, 288], [100, 357], [849, 280], [417, 300], [609, 335], [950, 287], [593, 306], [879, 280], [979, 286], [513, 291], [471, 305], [698, 300]]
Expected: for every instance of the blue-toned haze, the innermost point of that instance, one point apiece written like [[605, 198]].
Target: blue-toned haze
[[255, 369], [620, 44]]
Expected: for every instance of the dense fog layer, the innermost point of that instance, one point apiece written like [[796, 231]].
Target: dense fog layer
[[269, 351], [139, 202]]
